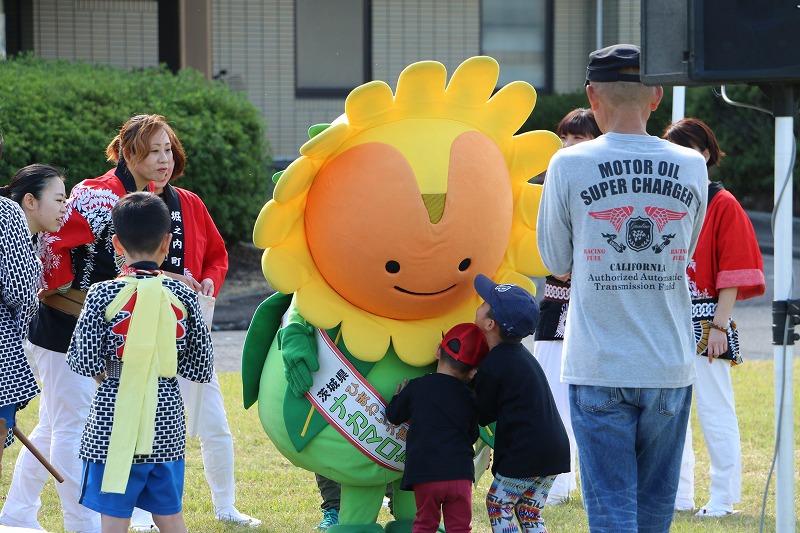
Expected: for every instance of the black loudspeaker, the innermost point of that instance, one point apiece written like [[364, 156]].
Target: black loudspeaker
[[698, 42], [665, 42]]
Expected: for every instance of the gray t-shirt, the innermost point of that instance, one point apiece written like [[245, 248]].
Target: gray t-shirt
[[623, 213]]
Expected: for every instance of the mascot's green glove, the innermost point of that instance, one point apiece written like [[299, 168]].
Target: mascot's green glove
[[299, 348]]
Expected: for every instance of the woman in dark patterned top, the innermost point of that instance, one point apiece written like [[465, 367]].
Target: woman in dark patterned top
[[39, 191], [76, 256]]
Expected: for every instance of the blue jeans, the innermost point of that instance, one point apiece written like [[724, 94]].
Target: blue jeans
[[630, 443]]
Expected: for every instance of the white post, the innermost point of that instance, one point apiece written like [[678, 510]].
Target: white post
[[678, 103], [784, 355]]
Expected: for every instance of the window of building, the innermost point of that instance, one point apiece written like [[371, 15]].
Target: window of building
[[332, 46], [518, 34]]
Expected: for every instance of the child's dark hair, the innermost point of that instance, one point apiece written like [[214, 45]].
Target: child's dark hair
[[503, 338], [695, 134], [31, 179], [459, 366], [579, 121], [141, 219]]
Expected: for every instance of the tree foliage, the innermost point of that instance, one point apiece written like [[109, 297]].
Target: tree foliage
[[65, 114]]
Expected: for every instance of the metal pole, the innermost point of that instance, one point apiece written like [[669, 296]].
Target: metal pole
[[599, 27], [783, 355], [678, 103]]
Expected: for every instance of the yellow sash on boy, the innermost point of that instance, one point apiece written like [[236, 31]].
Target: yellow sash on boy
[[149, 352]]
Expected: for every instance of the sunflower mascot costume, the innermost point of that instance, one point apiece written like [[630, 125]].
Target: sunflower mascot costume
[[372, 240]]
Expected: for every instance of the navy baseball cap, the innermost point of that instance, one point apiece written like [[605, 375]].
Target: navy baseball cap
[[605, 64], [514, 308]]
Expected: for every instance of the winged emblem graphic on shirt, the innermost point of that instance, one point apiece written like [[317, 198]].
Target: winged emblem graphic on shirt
[[616, 216], [662, 216], [638, 230]]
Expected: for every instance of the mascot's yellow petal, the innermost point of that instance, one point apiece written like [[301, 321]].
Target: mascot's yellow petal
[[420, 89], [321, 146], [413, 339], [532, 153], [365, 336], [518, 279], [321, 306], [275, 223], [465, 89], [516, 100], [296, 180], [528, 199], [367, 103], [524, 258], [283, 271]]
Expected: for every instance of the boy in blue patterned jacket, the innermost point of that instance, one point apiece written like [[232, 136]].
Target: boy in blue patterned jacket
[[135, 333]]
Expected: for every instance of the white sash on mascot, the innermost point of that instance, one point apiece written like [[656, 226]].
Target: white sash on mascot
[[346, 400]]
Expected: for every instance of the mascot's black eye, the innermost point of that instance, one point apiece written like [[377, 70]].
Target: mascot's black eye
[[392, 267], [463, 265]]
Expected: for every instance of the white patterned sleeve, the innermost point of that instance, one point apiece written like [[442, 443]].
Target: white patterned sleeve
[[197, 361], [20, 270], [85, 352]]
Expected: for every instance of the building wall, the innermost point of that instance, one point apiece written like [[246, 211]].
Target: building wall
[[123, 33], [621, 22], [253, 41], [575, 36]]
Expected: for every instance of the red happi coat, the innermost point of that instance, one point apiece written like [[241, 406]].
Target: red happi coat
[[727, 253], [81, 250], [204, 253]]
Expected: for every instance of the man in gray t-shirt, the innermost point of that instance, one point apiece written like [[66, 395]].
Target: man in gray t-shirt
[[623, 213]]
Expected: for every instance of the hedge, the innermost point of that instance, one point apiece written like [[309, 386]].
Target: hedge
[[64, 114], [746, 135]]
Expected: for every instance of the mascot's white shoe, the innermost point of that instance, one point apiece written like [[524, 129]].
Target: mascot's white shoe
[[232, 515]]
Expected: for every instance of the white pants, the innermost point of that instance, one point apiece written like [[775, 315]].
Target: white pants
[[216, 442], [549, 355], [716, 410], [63, 409]]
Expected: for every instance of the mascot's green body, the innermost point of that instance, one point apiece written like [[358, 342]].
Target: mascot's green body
[[373, 237], [328, 453]]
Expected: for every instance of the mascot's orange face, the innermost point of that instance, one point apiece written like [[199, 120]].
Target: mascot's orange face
[[393, 251]]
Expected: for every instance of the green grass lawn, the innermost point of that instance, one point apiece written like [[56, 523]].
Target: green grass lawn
[[286, 498]]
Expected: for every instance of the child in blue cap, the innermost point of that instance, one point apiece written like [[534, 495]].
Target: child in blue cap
[[531, 444]]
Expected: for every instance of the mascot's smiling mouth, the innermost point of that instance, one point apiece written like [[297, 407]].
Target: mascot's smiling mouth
[[401, 289]]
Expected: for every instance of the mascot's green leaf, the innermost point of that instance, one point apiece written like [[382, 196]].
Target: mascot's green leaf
[[487, 434], [265, 324], [316, 129]]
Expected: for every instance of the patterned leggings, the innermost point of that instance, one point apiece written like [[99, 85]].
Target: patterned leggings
[[514, 504]]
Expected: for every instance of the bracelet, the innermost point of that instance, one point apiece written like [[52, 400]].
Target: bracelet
[[723, 329]]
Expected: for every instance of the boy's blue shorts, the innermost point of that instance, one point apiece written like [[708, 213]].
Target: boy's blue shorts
[[8, 412], [154, 487]]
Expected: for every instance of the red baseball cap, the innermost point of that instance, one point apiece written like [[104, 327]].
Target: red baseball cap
[[466, 343]]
